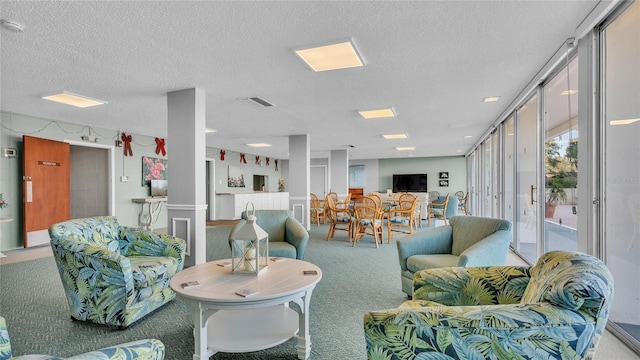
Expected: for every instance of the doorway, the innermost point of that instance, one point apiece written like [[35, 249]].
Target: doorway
[[260, 183]]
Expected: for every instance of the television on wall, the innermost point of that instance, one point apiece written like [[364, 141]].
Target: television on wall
[[409, 183], [159, 187]]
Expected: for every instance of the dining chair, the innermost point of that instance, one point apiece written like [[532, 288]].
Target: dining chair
[[438, 209], [316, 209], [401, 218], [368, 218], [340, 218]]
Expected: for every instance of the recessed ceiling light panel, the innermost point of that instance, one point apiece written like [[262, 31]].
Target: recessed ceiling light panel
[[405, 148], [259, 145], [394, 136], [210, 131], [342, 55], [491, 99], [76, 100], [623, 122], [569, 92], [379, 113]]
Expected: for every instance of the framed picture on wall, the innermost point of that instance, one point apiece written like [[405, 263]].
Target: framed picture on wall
[[153, 169], [236, 177], [443, 175], [444, 183]]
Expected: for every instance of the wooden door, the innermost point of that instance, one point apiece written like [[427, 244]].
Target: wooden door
[[45, 187]]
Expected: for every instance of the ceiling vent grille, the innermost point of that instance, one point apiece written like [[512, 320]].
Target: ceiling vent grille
[[256, 102]]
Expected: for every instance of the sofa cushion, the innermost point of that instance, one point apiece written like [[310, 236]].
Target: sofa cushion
[[148, 270], [272, 222], [102, 231], [282, 249], [468, 230], [417, 263], [570, 280]]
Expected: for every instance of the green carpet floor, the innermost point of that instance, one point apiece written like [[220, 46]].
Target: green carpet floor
[[355, 280]]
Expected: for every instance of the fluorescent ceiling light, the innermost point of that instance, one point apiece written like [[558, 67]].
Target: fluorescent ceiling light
[[74, 99], [259, 145], [394, 136], [209, 131], [380, 113], [468, 136], [405, 148], [331, 57], [569, 92], [491, 99], [623, 122]]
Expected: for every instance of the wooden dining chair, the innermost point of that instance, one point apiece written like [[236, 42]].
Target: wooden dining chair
[[438, 209], [401, 218], [340, 218], [368, 219], [316, 209]]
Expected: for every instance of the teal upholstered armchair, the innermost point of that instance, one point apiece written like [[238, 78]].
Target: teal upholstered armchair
[[287, 236], [147, 349], [113, 274], [556, 309], [466, 241]]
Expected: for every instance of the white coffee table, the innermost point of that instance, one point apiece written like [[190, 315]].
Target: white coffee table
[[226, 322]]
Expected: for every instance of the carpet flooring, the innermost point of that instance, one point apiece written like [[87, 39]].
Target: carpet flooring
[[355, 280]]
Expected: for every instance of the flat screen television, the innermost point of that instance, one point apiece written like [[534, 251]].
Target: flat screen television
[[159, 187], [409, 183]]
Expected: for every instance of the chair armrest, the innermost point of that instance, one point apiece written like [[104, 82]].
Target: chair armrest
[[503, 331], [140, 242], [489, 251], [296, 235], [147, 349], [94, 266], [428, 241], [458, 286]]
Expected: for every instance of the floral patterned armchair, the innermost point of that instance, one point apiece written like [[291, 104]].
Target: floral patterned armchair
[[147, 349], [556, 309], [113, 274]]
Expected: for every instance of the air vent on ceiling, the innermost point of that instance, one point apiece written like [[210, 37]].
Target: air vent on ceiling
[[257, 102]]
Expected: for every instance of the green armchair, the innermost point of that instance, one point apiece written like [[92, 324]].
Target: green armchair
[[111, 274], [556, 309], [147, 349], [287, 236], [466, 241]]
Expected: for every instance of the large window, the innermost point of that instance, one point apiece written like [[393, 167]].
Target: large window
[[561, 159], [621, 91]]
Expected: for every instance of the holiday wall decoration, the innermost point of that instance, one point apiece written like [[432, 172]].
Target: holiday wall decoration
[[127, 144], [222, 154], [160, 147]]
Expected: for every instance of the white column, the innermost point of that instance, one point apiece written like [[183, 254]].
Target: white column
[[339, 164], [299, 174], [187, 205]]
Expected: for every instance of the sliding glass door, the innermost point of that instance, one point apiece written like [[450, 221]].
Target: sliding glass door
[[621, 163], [561, 159], [527, 175]]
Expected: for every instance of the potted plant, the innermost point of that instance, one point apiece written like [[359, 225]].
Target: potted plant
[[555, 194]]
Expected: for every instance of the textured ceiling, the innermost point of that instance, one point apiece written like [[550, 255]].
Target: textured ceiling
[[432, 61]]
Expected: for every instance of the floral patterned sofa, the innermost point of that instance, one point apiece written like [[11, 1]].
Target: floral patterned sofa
[[113, 274], [147, 349], [556, 309]]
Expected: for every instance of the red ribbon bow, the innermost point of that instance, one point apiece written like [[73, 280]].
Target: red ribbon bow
[[127, 144], [242, 159], [276, 161], [160, 147], [222, 154], [267, 159], [257, 160]]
